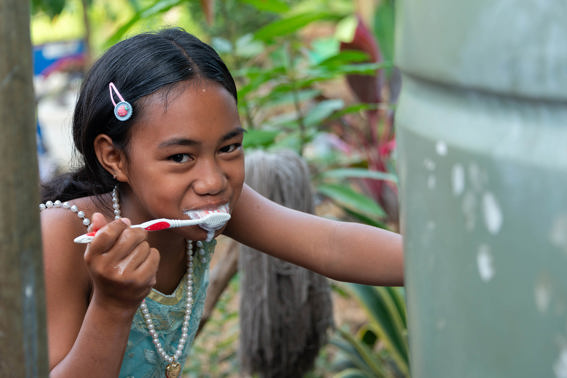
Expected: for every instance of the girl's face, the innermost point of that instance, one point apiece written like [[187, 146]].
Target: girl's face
[[185, 154]]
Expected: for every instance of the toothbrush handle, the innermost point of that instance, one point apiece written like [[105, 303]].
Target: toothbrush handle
[[184, 222], [153, 225]]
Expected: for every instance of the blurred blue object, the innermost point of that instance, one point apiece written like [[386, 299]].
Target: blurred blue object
[[66, 57], [57, 56]]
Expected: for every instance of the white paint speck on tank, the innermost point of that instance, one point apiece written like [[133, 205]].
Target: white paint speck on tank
[[492, 213], [560, 366], [558, 232], [542, 293], [485, 264], [458, 179], [441, 148]]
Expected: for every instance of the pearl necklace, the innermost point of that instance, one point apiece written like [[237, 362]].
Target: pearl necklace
[[65, 205], [173, 367]]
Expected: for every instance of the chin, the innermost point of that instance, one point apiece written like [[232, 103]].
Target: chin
[[200, 235]]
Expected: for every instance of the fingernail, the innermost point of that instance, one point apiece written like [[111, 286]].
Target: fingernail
[[126, 220]]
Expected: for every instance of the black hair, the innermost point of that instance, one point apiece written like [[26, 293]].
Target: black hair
[[138, 67]]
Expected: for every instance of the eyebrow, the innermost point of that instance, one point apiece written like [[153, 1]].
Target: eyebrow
[[191, 142], [231, 134]]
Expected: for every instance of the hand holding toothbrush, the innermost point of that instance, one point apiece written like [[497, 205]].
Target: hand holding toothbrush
[[122, 265]]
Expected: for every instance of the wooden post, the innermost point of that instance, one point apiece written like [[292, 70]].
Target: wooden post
[[23, 351]]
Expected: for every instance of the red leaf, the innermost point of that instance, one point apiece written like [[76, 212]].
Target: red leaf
[[366, 88]]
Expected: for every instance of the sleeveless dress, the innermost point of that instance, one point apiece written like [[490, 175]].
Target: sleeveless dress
[[141, 359]]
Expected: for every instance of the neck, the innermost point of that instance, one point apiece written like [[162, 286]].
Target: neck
[[172, 263]]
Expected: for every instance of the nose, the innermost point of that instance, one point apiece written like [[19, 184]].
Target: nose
[[210, 177]]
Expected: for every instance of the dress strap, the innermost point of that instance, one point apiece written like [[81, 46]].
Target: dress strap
[[66, 205]]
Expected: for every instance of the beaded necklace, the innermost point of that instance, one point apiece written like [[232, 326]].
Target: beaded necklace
[[173, 367]]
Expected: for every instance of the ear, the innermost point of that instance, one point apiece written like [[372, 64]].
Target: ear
[[111, 158]]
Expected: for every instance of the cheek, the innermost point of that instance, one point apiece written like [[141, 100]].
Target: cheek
[[237, 177]]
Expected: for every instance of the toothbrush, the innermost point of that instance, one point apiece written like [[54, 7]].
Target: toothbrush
[[210, 221]]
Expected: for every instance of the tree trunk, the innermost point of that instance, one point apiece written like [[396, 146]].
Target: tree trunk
[[23, 351], [87, 37]]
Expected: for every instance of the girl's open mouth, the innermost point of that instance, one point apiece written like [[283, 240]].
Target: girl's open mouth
[[210, 228]]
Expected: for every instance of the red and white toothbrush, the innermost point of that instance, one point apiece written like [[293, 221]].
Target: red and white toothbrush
[[213, 220]]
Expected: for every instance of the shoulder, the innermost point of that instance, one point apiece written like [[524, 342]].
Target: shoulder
[[60, 224], [73, 215]]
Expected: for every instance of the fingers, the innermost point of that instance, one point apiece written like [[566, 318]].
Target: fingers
[[115, 238], [118, 247], [122, 264], [145, 266], [141, 259]]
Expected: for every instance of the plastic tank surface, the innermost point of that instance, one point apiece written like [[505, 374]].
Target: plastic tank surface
[[482, 157]]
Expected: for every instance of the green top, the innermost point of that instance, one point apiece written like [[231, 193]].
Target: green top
[[141, 359]]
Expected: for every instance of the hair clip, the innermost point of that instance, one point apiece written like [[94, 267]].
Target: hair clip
[[122, 110]]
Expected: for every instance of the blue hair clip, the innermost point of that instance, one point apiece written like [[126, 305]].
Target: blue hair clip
[[123, 109]]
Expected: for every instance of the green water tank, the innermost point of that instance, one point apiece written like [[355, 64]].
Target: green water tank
[[482, 132]]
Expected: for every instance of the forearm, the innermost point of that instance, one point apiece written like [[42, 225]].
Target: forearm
[[365, 254], [100, 345], [339, 250], [344, 251]]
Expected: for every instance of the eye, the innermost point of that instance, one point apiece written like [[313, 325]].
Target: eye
[[180, 158], [231, 148]]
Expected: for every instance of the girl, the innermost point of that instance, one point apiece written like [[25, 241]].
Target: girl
[[157, 126]]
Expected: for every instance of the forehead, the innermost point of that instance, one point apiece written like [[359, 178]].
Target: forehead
[[198, 107]]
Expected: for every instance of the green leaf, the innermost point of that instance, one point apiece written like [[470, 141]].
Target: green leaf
[[364, 219], [292, 24], [397, 294], [356, 108], [255, 79], [385, 320], [291, 141], [322, 110], [384, 27], [361, 68], [350, 373], [158, 7], [344, 57], [118, 34], [259, 138], [286, 98], [51, 7], [248, 47], [372, 365], [348, 352], [350, 198], [275, 6], [283, 122], [222, 45], [322, 48], [345, 173]]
